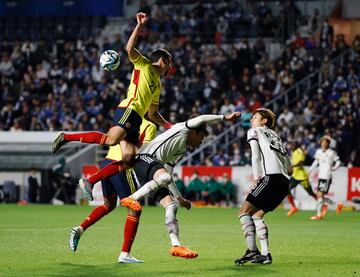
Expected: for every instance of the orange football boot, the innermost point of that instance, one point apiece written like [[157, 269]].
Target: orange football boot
[[339, 208], [324, 209], [131, 203], [183, 252], [292, 211], [316, 217]]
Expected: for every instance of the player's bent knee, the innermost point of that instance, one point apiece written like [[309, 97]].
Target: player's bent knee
[[164, 179]]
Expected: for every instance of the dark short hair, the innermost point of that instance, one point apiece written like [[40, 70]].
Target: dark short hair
[[269, 115], [159, 53]]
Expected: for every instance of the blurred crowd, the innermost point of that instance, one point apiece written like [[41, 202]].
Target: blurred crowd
[[60, 86]]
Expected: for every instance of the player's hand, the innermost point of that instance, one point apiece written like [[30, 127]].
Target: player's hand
[[254, 183], [232, 117], [184, 203], [141, 18]]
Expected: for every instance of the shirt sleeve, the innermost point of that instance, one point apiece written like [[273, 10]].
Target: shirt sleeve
[[252, 134], [150, 133], [140, 60], [255, 159], [207, 118]]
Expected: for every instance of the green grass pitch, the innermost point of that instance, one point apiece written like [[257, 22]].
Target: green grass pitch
[[34, 242]]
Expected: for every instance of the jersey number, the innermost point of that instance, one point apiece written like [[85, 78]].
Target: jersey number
[[276, 145]]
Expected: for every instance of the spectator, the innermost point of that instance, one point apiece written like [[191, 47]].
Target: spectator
[[179, 184], [33, 187], [227, 190]]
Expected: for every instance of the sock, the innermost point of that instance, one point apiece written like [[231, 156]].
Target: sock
[[248, 228], [163, 180], [94, 216], [108, 171], [291, 200], [130, 230], [262, 234], [172, 223], [87, 137], [320, 203]]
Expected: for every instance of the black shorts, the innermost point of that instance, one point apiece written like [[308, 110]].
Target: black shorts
[[145, 167], [129, 120], [122, 184], [269, 192], [324, 185]]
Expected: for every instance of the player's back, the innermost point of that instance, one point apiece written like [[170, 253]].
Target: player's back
[[273, 153], [144, 88], [170, 146]]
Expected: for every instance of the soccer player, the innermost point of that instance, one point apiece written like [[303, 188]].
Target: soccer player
[[157, 159], [299, 177], [120, 185], [271, 168], [328, 161], [143, 97]]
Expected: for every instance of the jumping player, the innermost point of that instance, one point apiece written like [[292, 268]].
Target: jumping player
[[142, 98], [328, 161], [120, 185], [299, 177], [271, 168]]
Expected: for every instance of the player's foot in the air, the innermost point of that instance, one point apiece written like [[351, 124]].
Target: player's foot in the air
[[183, 252], [339, 208], [316, 217], [126, 258], [249, 256], [75, 234], [292, 211], [131, 203], [324, 209], [262, 259], [86, 188], [58, 142]]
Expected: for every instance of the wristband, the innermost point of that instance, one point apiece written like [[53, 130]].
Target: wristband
[[167, 125]]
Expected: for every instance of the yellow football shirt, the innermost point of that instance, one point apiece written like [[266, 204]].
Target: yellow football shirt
[[299, 171], [147, 134], [144, 88]]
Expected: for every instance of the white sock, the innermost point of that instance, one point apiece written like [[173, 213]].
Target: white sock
[[248, 228], [172, 223], [262, 234], [320, 203]]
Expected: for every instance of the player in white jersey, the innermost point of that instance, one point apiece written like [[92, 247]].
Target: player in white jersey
[[154, 166], [271, 168], [328, 161]]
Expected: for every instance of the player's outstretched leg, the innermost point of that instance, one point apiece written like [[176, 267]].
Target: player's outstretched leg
[[183, 252], [131, 203], [248, 256], [75, 235], [262, 259]]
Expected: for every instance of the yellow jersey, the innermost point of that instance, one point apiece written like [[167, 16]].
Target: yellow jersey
[[147, 134], [144, 88], [299, 171]]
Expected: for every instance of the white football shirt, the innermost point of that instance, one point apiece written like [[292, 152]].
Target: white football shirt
[[326, 160], [274, 158]]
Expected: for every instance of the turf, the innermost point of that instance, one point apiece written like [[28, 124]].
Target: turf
[[34, 242]]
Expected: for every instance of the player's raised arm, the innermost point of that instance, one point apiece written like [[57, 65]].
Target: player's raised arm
[[133, 54], [211, 118]]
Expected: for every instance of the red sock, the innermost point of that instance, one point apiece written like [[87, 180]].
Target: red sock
[[130, 229], [108, 171], [291, 200], [87, 137], [94, 216]]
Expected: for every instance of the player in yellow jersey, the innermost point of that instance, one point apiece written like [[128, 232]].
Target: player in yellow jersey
[[120, 185], [142, 98], [299, 176]]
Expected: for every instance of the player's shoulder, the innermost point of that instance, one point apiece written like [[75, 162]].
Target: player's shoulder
[[253, 133]]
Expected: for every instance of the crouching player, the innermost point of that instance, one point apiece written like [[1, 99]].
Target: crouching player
[[271, 169]]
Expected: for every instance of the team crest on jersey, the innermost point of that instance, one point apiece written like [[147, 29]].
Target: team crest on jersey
[[127, 125]]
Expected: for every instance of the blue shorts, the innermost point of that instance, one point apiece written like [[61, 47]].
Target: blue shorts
[[129, 120], [122, 184]]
